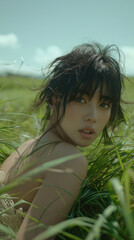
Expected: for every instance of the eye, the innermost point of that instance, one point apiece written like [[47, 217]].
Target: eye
[[105, 105], [80, 100]]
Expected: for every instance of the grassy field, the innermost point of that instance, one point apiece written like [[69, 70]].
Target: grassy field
[[102, 210], [16, 98]]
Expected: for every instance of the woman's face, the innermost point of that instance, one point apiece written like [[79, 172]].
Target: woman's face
[[85, 119]]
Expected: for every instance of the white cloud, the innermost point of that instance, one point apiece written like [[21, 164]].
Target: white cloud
[[129, 60], [9, 40], [44, 57]]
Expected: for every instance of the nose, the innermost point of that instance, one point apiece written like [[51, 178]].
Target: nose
[[91, 114]]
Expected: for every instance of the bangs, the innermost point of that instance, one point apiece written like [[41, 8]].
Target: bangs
[[89, 80], [86, 69]]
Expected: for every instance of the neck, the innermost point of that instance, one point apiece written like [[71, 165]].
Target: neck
[[57, 131]]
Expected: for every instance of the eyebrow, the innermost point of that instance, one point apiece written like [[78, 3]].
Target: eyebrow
[[106, 97]]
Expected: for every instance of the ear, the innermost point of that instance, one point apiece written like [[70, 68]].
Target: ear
[[55, 101]]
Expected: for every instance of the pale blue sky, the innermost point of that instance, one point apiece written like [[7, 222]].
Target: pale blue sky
[[37, 31]]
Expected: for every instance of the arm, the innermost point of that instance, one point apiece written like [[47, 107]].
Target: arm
[[57, 193]]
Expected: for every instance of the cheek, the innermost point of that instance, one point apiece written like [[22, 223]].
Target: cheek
[[105, 116], [69, 118], [71, 113]]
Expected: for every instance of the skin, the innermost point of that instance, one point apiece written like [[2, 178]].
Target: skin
[[59, 187]]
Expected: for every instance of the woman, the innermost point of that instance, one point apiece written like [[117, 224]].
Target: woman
[[82, 98]]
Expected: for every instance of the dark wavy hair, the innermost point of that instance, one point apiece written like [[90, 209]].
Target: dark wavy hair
[[83, 70]]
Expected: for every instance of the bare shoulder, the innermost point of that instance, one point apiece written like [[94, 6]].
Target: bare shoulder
[[77, 161], [59, 188], [23, 149], [11, 162]]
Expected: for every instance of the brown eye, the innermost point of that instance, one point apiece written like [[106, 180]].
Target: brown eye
[[80, 100], [105, 105]]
